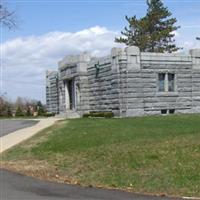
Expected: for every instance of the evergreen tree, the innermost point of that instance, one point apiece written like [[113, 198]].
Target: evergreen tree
[[135, 34], [9, 111], [40, 108], [19, 112], [28, 112], [153, 32]]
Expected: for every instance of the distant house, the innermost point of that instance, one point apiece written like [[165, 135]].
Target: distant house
[[127, 82]]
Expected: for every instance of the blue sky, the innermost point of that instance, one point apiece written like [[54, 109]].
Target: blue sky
[[39, 17], [48, 30]]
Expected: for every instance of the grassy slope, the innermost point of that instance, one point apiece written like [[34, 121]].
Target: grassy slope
[[151, 154]]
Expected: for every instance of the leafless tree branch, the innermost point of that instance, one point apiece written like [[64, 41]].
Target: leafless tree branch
[[7, 18]]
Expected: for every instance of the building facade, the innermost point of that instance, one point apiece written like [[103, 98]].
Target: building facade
[[52, 101], [128, 83]]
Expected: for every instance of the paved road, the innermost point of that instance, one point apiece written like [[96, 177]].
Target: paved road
[[14, 186], [8, 126], [17, 187]]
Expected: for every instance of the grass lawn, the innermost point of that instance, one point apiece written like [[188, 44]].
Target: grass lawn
[[150, 154]]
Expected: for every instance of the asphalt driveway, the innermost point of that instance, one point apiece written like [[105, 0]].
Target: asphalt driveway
[[17, 187], [14, 186], [9, 125]]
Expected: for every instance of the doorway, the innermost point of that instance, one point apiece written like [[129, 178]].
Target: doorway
[[69, 94]]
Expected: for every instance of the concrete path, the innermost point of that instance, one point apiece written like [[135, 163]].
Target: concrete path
[[17, 187], [10, 140], [10, 125]]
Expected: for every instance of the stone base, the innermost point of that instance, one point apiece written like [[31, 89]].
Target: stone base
[[135, 113]]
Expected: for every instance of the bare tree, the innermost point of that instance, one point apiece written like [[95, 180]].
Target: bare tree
[[7, 17]]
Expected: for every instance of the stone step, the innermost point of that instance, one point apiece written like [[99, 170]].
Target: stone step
[[69, 115]]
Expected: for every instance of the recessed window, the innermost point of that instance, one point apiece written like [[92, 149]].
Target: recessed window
[[166, 82], [164, 111], [161, 78], [171, 111], [171, 84]]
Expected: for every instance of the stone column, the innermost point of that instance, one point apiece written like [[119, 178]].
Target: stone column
[[67, 100], [134, 100], [166, 87], [115, 53], [115, 81], [82, 92], [195, 54], [133, 58]]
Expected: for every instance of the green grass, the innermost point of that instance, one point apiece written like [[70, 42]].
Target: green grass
[[149, 154]]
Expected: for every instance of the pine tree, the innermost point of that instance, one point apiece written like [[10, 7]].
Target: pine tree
[[153, 32], [28, 112], [40, 108], [9, 111], [135, 34], [19, 112]]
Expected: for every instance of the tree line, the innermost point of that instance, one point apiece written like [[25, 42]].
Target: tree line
[[22, 107]]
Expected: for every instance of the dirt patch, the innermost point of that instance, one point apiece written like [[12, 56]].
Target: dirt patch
[[39, 169], [43, 171]]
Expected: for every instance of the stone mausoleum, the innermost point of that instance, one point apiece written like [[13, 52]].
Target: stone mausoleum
[[127, 82]]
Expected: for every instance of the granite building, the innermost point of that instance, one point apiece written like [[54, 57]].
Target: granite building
[[52, 91], [127, 82]]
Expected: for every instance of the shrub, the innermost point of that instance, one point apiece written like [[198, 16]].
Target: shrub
[[99, 114], [86, 115], [48, 114], [108, 114]]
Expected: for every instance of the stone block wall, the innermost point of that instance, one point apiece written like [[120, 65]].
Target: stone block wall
[[181, 99], [103, 85], [74, 68], [52, 99], [126, 82], [195, 54]]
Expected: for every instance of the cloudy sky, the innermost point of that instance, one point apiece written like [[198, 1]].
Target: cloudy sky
[[49, 30]]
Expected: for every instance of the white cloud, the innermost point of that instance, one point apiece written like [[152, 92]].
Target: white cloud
[[26, 59], [191, 44], [187, 44], [185, 41]]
